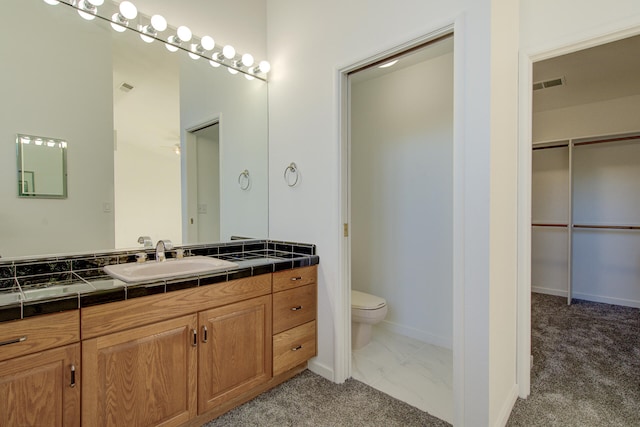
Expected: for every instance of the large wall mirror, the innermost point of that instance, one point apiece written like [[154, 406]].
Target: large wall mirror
[[157, 141]]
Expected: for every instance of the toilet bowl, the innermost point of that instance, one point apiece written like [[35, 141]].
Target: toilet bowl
[[366, 311]]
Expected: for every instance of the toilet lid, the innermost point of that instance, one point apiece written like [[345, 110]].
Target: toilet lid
[[365, 301]]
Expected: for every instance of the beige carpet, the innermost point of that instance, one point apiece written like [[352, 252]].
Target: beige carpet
[[586, 369], [310, 400]]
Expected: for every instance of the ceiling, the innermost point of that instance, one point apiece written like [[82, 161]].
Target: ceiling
[[596, 74]]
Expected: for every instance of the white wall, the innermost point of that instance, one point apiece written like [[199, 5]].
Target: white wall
[[73, 103], [240, 105], [146, 169], [308, 44], [402, 189], [597, 118]]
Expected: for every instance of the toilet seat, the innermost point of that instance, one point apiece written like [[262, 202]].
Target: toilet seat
[[364, 301]]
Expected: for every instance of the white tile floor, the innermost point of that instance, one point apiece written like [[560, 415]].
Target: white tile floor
[[417, 373]]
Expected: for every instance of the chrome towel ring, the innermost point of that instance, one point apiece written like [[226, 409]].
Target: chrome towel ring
[[291, 171], [244, 180]]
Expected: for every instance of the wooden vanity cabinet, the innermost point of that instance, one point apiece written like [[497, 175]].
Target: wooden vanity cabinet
[[144, 376], [234, 354], [40, 371], [294, 317]]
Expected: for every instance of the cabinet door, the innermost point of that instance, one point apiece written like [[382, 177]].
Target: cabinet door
[[141, 377], [235, 350], [41, 389]]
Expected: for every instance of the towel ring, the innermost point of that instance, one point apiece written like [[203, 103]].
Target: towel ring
[[247, 180], [289, 170]]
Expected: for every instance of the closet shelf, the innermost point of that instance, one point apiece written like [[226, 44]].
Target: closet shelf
[[540, 224]]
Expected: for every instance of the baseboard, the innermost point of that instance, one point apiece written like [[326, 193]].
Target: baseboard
[[321, 369], [607, 300], [417, 334], [505, 412], [548, 291]]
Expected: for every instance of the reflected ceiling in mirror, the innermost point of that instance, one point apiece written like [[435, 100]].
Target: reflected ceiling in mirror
[[124, 177]]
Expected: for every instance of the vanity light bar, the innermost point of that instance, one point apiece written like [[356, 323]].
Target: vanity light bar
[[126, 12], [41, 141]]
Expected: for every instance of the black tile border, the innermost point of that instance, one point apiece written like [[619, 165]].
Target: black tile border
[[88, 267], [50, 305], [11, 312]]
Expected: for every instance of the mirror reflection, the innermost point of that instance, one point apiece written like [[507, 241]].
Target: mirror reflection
[[132, 112], [42, 167]]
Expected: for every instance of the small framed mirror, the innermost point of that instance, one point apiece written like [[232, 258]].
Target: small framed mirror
[[42, 167]]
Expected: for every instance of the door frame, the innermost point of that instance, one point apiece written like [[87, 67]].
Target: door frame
[[189, 178], [342, 349], [525, 139]]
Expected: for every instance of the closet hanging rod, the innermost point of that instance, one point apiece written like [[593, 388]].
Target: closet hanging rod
[[600, 141], [540, 224], [565, 145], [611, 227]]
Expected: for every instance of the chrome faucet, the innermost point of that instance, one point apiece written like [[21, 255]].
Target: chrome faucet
[[161, 247], [145, 241]]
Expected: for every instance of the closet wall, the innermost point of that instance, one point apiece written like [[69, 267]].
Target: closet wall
[[586, 218]]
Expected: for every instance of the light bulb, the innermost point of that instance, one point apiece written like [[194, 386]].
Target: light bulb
[[194, 55], [214, 64], [247, 60], [207, 43], [184, 33], [115, 18], [128, 10], [249, 77], [232, 70], [170, 47], [87, 10], [265, 67], [52, 2], [95, 2], [158, 23], [228, 51]]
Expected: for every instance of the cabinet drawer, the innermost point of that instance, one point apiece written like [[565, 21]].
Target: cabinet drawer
[[38, 333], [293, 307], [294, 346], [288, 279]]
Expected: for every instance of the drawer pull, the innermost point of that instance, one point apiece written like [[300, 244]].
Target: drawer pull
[[204, 334], [295, 279], [296, 348], [296, 308], [195, 338], [73, 376], [13, 341]]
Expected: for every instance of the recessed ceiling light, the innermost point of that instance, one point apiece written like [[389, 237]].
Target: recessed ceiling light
[[388, 64]]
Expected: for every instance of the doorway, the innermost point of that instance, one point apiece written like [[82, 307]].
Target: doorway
[[203, 183], [400, 208], [596, 126]]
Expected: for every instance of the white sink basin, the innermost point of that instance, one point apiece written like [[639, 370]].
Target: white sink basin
[[151, 270]]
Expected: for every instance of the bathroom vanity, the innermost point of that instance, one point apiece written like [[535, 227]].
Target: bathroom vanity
[[170, 352]]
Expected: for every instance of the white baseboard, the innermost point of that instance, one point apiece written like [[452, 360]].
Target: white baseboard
[[548, 291], [417, 334], [588, 297], [607, 300], [321, 369], [505, 412]]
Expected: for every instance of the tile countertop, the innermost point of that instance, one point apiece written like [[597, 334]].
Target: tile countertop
[[54, 284]]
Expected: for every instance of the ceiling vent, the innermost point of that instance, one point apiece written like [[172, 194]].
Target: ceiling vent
[[548, 83], [126, 87]]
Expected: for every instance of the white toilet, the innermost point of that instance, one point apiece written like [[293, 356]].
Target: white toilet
[[366, 311]]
